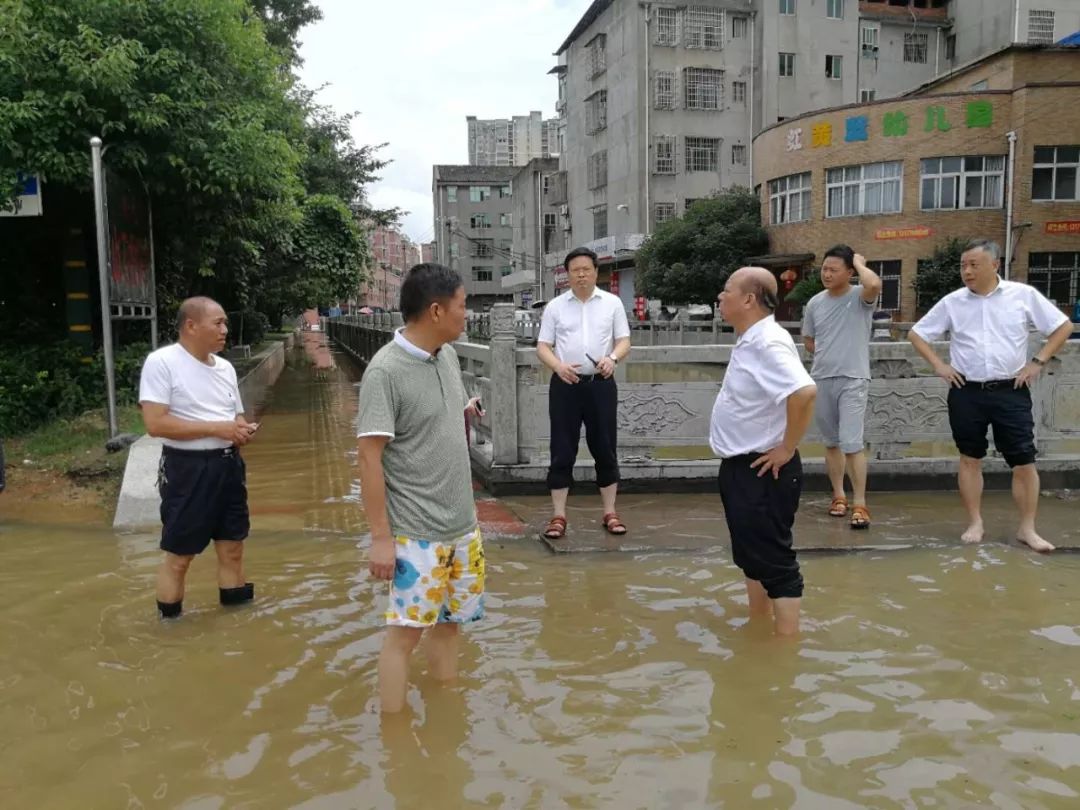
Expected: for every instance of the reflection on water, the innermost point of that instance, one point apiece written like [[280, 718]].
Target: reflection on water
[[938, 677]]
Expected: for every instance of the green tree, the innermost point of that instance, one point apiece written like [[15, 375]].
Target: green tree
[[688, 259], [806, 289], [938, 275], [195, 99]]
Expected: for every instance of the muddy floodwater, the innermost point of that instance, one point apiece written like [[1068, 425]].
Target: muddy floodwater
[[929, 674]]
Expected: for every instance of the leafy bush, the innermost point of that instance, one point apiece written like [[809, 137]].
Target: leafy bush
[[805, 289], [41, 383], [938, 275]]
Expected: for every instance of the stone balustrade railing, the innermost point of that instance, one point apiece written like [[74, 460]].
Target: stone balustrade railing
[[666, 394]]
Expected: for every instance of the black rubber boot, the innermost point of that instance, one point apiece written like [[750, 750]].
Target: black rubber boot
[[170, 610], [237, 596]]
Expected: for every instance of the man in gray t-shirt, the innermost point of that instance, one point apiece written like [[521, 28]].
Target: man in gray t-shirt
[[416, 482], [836, 328]]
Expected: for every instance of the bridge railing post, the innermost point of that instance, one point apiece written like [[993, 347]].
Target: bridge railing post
[[503, 372]]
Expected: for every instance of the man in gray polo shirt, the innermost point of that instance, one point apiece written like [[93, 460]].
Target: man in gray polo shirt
[[836, 329], [416, 482]]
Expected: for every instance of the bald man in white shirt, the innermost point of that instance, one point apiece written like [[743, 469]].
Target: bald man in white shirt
[[764, 407], [989, 376]]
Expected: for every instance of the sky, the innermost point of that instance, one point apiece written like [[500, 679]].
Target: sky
[[413, 69]]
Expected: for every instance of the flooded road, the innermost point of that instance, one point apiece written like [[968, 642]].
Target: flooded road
[[934, 675]]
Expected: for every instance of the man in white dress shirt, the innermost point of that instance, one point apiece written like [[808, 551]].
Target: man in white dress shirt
[[583, 336], [765, 404], [989, 376]]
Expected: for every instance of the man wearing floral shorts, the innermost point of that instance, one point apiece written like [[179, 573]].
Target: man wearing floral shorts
[[416, 482]]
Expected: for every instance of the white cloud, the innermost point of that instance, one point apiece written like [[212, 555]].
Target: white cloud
[[414, 69]]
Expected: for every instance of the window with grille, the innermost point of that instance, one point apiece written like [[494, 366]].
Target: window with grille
[[867, 95], [596, 112], [480, 221], [664, 154], [505, 191], [870, 41], [949, 183], [596, 54], [834, 9], [667, 26], [702, 154], [703, 27], [703, 88], [738, 154], [662, 212], [1040, 27], [834, 66], [597, 170], [787, 64], [739, 27], [1055, 275], [451, 194], [664, 90], [872, 188], [888, 271], [483, 247], [738, 92], [1054, 174], [787, 6], [599, 222], [481, 274], [789, 199], [506, 270], [479, 193], [915, 48]]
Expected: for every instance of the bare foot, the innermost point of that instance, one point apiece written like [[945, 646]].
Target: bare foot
[[1033, 540], [974, 533]]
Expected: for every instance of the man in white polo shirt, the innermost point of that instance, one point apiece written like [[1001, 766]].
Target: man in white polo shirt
[[989, 376], [583, 335], [765, 404], [190, 398]]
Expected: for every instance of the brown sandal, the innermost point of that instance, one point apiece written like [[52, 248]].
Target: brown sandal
[[860, 518], [556, 528], [838, 507], [613, 525]]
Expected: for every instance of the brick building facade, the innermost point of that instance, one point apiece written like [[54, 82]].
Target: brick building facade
[[896, 178]]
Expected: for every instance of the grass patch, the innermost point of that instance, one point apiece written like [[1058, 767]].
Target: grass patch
[[75, 446]]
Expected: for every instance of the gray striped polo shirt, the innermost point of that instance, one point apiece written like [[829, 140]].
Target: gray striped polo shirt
[[418, 401]]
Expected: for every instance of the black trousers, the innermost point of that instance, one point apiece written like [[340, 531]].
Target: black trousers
[[760, 511], [999, 405], [593, 401]]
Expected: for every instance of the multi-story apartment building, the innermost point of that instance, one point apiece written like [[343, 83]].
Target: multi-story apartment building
[[537, 231], [427, 252], [991, 151], [662, 100], [511, 141], [474, 231], [393, 254]]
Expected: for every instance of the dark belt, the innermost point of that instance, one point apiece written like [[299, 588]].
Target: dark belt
[[991, 385], [588, 377], [225, 452]]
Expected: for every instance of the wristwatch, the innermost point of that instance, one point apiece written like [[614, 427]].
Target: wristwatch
[[613, 358], [1038, 361]]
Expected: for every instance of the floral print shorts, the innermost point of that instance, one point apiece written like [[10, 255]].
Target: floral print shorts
[[437, 581]]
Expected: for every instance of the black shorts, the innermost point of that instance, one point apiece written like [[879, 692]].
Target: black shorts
[[760, 512], [1007, 409], [203, 498]]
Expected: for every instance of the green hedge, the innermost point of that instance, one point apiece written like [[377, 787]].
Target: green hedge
[[42, 383]]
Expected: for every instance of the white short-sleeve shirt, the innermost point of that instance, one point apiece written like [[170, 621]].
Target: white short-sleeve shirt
[[576, 328], [989, 333], [750, 413], [193, 390]]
